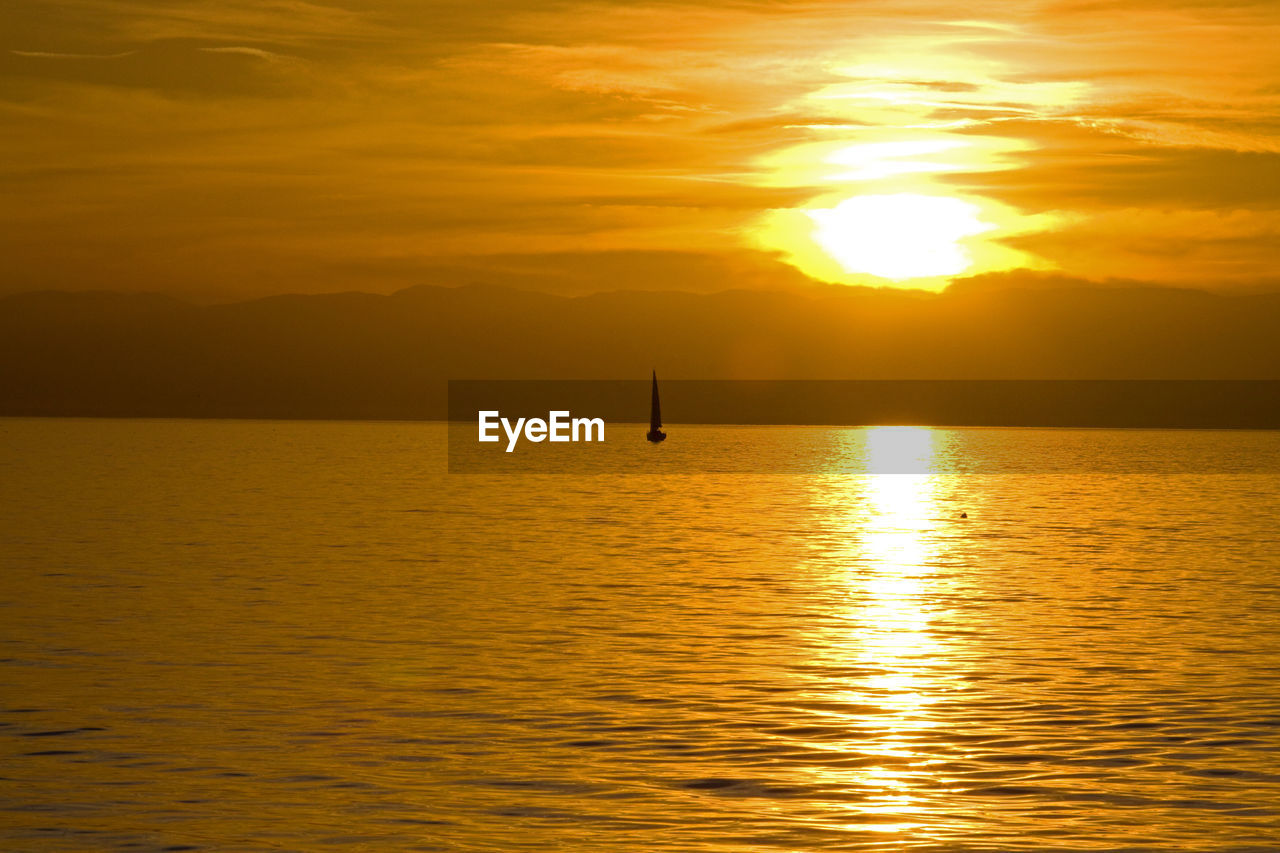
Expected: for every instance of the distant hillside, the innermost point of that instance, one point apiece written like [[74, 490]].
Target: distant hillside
[[365, 356]]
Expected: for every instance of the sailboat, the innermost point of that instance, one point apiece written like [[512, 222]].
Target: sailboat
[[655, 433]]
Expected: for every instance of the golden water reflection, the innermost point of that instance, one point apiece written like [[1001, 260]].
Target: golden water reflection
[[883, 515], [361, 655]]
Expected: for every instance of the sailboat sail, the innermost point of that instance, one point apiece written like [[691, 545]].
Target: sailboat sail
[[655, 433], [655, 411]]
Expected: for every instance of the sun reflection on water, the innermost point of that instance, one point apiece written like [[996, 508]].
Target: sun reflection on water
[[893, 538], [884, 517]]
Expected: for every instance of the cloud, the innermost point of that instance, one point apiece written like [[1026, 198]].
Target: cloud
[[256, 52], [40, 54], [1197, 248], [181, 68], [288, 140]]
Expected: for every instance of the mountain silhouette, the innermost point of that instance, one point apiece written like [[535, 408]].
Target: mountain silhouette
[[357, 355]]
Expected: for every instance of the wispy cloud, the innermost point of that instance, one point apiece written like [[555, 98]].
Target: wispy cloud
[[292, 135], [257, 53], [41, 54]]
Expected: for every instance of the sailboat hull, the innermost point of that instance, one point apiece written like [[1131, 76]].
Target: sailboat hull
[[655, 435]]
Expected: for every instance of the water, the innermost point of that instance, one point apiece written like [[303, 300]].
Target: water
[[307, 636]]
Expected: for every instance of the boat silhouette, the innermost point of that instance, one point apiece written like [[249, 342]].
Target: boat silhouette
[[655, 433]]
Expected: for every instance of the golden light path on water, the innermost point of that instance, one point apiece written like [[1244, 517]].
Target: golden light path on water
[[372, 654], [887, 513]]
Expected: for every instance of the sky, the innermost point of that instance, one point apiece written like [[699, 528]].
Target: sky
[[221, 149]]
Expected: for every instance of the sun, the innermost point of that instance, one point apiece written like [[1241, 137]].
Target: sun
[[887, 211], [899, 236], [916, 239]]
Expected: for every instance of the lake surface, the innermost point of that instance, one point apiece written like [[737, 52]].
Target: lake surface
[[222, 635]]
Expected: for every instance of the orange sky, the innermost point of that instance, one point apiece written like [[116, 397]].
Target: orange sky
[[226, 149]]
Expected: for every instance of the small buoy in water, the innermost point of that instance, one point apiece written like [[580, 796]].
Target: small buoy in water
[[964, 515]]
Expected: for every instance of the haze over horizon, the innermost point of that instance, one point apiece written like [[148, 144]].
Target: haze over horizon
[[228, 150]]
